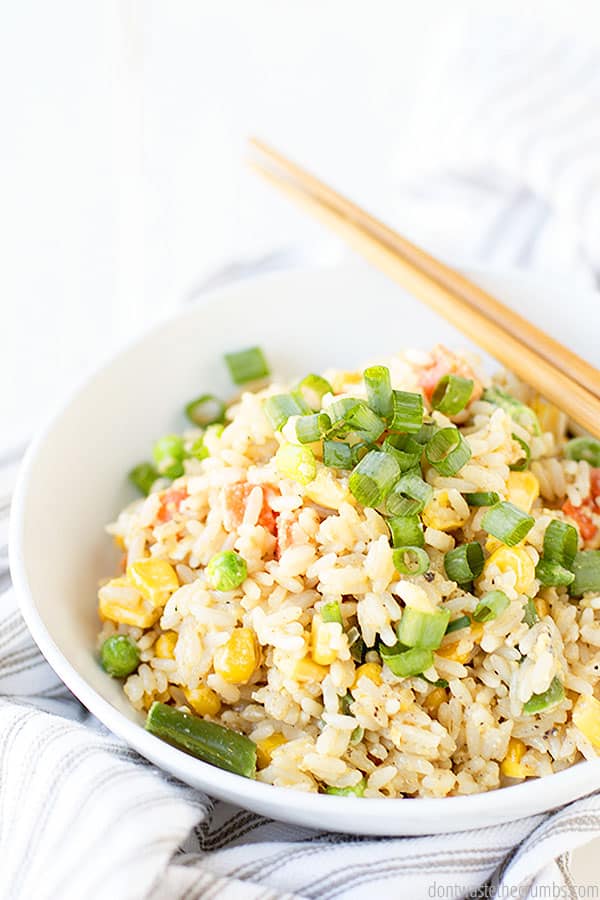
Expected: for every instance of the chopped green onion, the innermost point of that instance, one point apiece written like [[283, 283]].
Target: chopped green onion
[[379, 390], [357, 735], [543, 702], [451, 394], [119, 655], [205, 410], [280, 407], [518, 412], [447, 451], [226, 571], [337, 455], [373, 477], [422, 629], [408, 412], [425, 433], [524, 462], [312, 389], [458, 624], [406, 531], [247, 365], [508, 523], [169, 453], [482, 498], [143, 477], [338, 409], [345, 702], [411, 560], [561, 541], [360, 450], [356, 790], [464, 563], [408, 496], [405, 449], [586, 568], [356, 645], [491, 606], [403, 662], [297, 463], [551, 573], [439, 682], [530, 615], [198, 449], [311, 428], [583, 448], [362, 421], [208, 741], [331, 612]]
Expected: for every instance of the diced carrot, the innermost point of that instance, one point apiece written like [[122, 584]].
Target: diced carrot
[[429, 378], [170, 503], [235, 501], [595, 483], [582, 519], [285, 532], [444, 362]]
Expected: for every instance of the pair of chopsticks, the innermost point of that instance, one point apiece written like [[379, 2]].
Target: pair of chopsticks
[[553, 370]]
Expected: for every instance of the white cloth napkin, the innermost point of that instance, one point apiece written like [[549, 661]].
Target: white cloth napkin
[[515, 179], [500, 161]]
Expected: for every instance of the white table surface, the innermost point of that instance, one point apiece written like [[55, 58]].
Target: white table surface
[[122, 180]]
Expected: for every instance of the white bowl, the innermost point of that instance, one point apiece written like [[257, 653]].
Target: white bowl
[[73, 481]]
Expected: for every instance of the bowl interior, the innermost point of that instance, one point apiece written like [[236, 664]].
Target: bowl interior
[[74, 482]]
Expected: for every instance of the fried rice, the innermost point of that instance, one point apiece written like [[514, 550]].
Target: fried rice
[[322, 715]]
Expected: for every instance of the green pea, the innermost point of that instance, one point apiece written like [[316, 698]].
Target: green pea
[[169, 453], [143, 477], [119, 656], [226, 571]]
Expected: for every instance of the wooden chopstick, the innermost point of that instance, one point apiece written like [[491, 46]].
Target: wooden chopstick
[[578, 402], [553, 351]]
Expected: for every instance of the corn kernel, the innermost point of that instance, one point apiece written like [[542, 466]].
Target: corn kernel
[[308, 670], [513, 559], [541, 607], [326, 491], [265, 748], [120, 602], [372, 671], [155, 579], [586, 716], [511, 765], [434, 700], [476, 631], [550, 417], [440, 514], [451, 652], [236, 660], [492, 543], [203, 700], [323, 635], [164, 647], [523, 489]]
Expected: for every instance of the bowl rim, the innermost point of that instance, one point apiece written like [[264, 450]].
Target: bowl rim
[[523, 798]]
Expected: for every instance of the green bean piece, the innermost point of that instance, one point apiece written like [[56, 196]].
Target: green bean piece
[[119, 656], [208, 741]]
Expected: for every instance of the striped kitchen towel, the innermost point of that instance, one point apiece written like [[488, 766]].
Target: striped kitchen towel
[[81, 815]]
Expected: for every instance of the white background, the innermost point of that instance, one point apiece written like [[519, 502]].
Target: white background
[[122, 184]]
